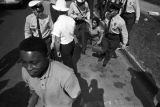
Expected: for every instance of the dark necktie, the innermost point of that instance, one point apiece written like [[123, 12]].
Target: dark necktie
[[107, 28], [109, 23], [38, 27]]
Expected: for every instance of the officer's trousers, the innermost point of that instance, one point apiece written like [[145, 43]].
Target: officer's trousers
[[109, 45]]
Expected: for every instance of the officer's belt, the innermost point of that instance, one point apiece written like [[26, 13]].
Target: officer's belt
[[113, 36]]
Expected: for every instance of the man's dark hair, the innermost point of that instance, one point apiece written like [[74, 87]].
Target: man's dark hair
[[97, 20], [34, 44]]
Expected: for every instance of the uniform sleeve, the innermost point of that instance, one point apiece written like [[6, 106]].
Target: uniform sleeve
[[88, 11], [137, 9], [71, 12], [57, 28], [27, 30], [72, 86], [124, 32]]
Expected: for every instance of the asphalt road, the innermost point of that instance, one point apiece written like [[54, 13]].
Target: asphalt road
[[11, 31]]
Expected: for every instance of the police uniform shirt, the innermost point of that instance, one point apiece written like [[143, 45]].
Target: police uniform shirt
[[118, 26], [74, 11], [31, 28], [132, 6]]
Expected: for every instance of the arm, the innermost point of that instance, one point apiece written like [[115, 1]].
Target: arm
[[75, 39], [124, 33], [74, 34], [137, 10], [101, 33], [72, 87], [27, 30], [56, 35], [88, 12], [33, 99], [57, 45]]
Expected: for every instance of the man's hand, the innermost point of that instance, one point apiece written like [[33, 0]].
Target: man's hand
[[123, 46], [58, 54], [75, 40]]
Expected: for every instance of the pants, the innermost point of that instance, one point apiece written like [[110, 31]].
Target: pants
[[130, 20], [67, 51], [82, 32], [109, 45], [91, 6], [48, 41]]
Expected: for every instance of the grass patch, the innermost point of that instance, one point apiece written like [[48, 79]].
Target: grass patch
[[145, 45], [156, 2]]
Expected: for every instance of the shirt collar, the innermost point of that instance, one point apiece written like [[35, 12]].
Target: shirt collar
[[46, 75]]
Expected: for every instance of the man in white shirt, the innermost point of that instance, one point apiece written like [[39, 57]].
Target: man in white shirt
[[64, 34]]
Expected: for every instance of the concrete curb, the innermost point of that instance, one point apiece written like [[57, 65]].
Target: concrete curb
[[132, 60], [139, 68]]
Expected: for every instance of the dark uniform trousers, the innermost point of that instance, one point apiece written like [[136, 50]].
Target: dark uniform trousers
[[82, 32], [109, 44], [67, 51]]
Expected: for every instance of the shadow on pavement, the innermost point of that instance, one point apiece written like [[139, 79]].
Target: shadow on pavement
[[76, 56], [1, 21], [91, 95], [144, 87], [3, 84], [16, 96], [7, 61]]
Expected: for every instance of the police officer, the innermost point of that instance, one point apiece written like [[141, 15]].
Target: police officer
[[130, 12], [79, 10], [115, 29], [38, 24]]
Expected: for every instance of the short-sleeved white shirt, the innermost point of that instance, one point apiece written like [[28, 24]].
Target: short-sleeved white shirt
[[51, 87], [64, 28]]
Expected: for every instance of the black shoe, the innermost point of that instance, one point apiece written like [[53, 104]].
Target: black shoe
[[105, 62], [100, 59], [96, 55]]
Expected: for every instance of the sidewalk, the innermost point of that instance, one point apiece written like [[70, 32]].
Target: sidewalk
[[114, 80]]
